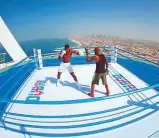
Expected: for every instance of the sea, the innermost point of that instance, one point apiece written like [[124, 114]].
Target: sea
[[46, 45]]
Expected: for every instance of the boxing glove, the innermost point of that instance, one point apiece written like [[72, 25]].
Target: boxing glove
[[80, 53], [86, 50], [63, 52]]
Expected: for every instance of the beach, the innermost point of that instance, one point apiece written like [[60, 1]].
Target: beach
[[76, 41]]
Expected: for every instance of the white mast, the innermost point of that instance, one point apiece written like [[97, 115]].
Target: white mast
[[9, 43]]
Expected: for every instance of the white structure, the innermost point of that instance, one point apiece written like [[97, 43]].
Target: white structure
[[129, 116], [35, 57], [114, 54], [9, 43], [38, 58]]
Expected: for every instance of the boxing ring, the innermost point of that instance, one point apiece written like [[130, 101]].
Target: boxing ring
[[32, 106]]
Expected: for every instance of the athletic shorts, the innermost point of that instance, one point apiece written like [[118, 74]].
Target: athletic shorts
[[97, 77], [65, 66]]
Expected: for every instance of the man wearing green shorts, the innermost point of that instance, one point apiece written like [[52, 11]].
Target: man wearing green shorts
[[101, 70]]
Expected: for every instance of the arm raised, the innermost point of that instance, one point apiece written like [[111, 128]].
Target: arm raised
[[75, 52], [90, 59]]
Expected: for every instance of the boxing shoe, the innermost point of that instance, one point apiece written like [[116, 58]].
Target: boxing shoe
[[107, 93], [107, 89], [78, 86], [91, 94], [58, 83]]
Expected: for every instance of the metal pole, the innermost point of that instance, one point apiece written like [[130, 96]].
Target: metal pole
[[112, 54], [35, 57], [3, 123], [40, 58], [116, 53]]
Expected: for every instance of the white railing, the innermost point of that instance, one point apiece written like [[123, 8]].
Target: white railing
[[2, 58]]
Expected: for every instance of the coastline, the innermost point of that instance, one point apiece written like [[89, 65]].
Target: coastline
[[75, 41]]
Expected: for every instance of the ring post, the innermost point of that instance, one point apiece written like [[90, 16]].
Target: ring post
[[40, 58], [114, 54], [35, 57]]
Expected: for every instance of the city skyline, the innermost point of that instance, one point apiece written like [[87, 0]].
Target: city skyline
[[30, 20]]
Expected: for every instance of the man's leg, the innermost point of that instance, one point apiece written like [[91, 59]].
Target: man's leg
[[91, 94], [95, 80], [59, 75], [58, 78], [60, 70], [75, 79], [104, 81], [71, 71], [107, 89], [74, 76]]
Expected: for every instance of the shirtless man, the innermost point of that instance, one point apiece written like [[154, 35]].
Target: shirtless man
[[65, 56], [101, 70]]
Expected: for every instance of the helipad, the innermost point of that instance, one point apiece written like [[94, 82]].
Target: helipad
[[41, 109]]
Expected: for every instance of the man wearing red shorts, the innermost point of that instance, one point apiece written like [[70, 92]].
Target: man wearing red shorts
[[65, 56], [101, 70]]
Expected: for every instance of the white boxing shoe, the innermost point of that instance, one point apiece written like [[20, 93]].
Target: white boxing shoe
[[78, 86], [58, 84]]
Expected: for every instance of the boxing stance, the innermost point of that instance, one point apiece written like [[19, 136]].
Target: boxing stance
[[65, 56], [101, 70]]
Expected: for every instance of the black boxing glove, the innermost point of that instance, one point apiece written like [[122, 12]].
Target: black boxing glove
[[78, 53], [86, 50]]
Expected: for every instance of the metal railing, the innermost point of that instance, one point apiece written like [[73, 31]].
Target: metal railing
[[2, 58], [21, 71], [31, 62], [12, 79]]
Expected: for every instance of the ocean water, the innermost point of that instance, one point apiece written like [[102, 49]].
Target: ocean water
[[46, 45]]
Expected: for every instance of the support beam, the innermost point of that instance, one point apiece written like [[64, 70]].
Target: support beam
[[9, 43], [114, 54]]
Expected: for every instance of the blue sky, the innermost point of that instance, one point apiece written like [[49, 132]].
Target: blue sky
[[36, 19]]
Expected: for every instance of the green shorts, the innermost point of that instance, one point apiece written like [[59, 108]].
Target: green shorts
[[97, 77]]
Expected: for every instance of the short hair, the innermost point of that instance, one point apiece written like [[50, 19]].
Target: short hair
[[67, 46], [96, 49]]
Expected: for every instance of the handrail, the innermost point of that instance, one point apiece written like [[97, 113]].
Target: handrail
[[16, 64], [94, 46], [137, 56], [14, 83], [49, 54], [77, 101], [79, 115], [3, 53]]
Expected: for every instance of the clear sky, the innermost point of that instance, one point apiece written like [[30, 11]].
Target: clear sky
[[35, 19]]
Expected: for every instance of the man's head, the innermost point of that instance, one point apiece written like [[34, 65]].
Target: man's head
[[67, 47], [97, 51]]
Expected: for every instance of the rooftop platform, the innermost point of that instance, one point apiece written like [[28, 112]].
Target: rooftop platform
[[40, 109]]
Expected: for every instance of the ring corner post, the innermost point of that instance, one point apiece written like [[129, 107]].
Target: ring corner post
[[40, 58], [114, 54], [35, 58]]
